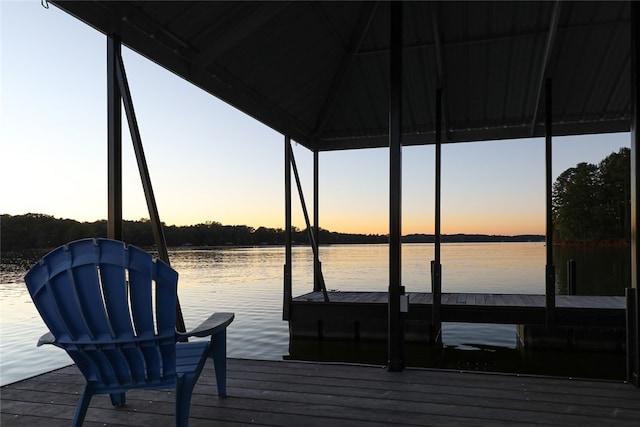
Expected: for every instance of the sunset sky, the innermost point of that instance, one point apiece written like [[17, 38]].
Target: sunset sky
[[210, 162]]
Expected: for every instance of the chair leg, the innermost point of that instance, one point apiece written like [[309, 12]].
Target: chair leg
[[83, 405], [184, 388], [218, 353], [118, 399]]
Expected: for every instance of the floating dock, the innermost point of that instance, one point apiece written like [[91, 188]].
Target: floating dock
[[363, 316]]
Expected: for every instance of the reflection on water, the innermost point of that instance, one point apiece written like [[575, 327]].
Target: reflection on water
[[471, 347], [21, 325], [249, 282]]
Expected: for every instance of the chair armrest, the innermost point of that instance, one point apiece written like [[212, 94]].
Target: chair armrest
[[216, 322], [47, 338]]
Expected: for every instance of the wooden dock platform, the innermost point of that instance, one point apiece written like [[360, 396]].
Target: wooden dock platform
[[363, 315], [284, 393]]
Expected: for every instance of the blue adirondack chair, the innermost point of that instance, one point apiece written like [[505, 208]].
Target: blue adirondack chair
[[112, 308]]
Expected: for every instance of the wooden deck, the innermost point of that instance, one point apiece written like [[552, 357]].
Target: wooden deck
[[283, 393]]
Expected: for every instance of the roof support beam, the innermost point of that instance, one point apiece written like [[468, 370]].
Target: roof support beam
[[288, 252], [553, 27], [435, 335], [396, 290], [550, 277], [443, 105], [633, 307], [317, 265], [114, 141], [368, 12]]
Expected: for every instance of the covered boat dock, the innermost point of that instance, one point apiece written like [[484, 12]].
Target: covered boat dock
[[350, 75]]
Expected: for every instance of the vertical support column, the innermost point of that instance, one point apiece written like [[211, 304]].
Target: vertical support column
[[572, 279], [114, 141], [286, 305], [633, 329], [436, 266], [317, 267], [632, 333], [550, 277], [395, 338]]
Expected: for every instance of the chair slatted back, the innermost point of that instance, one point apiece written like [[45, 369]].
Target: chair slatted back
[[112, 308]]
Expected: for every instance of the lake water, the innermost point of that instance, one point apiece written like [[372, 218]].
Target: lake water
[[249, 281]]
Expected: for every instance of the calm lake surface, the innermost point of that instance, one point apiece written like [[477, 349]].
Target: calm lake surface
[[248, 281]]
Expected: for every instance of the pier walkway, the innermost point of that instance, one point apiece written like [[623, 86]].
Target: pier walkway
[[284, 393]]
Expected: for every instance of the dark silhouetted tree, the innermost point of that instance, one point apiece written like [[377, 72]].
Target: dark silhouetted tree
[[591, 203]]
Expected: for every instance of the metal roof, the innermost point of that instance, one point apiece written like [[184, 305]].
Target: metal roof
[[319, 71]]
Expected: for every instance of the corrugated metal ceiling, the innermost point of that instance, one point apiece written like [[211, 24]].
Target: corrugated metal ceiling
[[319, 71]]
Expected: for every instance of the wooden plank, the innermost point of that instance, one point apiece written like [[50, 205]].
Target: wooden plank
[[538, 300], [354, 297], [499, 300], [519, 300], [490, 300], [447, 299], [423, 298], [509, 300], [532, 301]]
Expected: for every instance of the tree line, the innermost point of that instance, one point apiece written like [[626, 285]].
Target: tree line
[[592, 203], [40, 231]]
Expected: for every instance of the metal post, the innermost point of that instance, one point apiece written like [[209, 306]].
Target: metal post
[[571, 278], [317, 266], [286, 305], [633, 352], [436, 266], [550, 277], [156, 224], [396, 357], [633, 333], [114, 141]]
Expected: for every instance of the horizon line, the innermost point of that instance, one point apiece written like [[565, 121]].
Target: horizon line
[[281, 228]]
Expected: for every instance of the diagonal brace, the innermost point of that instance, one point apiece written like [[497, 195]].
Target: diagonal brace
[[314, 245]]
